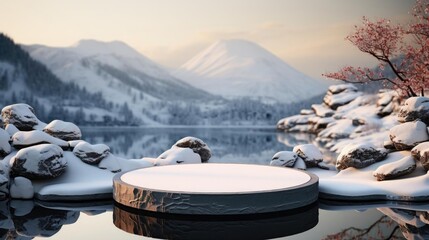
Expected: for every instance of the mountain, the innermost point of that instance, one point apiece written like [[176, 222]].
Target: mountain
[[120, 75], [239, 68], [23, 79]]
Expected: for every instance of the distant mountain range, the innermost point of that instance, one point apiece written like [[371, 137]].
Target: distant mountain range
[[239, 68], [110, 83]]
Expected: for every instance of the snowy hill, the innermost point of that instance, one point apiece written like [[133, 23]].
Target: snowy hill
[[239, 68], [120, 75]]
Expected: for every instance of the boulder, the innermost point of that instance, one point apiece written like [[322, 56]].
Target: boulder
[[26, 139], [311, 155], [421, 153], [284, 159], [42, 161], [415, 108], [91, 154], [359, 156], [197, 145], [66, 131], [21, 115], [408, 135], [4, 143], [395, 169], [322, 110], [177, 155], [21, 188]]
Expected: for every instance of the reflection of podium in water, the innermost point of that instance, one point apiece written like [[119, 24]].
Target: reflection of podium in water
[[173, 226]]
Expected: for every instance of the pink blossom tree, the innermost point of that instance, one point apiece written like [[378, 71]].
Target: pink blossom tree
[[390, 44]]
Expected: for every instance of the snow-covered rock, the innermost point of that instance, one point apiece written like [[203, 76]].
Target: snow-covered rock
[[197, 145], [4, 180], [322, 110], [421, 153], [335, 89], [388, 101], [4, 143], [63, 130], [359, 155], [396, 169], [408, 135], [414, 108], [177, 155], [300, 164], [39, 162], [21, 188], [289, 123], [306, 112], [25, 139], [73, 143], [342, 128], [11, 129], [340, 99], [311, 154], [284, 159], [110, 163], [21, 115], [91, 154]]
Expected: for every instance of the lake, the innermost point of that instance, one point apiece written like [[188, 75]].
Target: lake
[[104, 220]]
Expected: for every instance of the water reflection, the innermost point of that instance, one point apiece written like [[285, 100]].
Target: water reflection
[[233, 145], [200, 227]]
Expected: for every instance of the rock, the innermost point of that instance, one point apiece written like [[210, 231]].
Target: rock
[[177, 155], [395, 169], [359, 156], [21, 115], [4, 143], [387, 102], [290, 122], [11, 129], [300, 164], [415, 108], [388, 144], [322, 110], [334, 101], [318, 123], [91, 154], [284, 159], [197, 145], [408, 135], [63, 130], [335, 89], [421, 153], [42, 161], [21, 188], [311, 155], [4, 181], [339, 129], [306, 112], [26, 139]]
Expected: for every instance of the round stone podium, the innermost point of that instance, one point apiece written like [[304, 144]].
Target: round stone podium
[[215, 189]]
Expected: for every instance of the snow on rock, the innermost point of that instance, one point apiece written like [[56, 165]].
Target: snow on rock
[[396, 169], [91, 154], [421, 153], [335, 89], [408, 135], [289, 123], [284, 159], [388, 101], [322, 110], [359, 155], [311, 154], [300, 164], [73, 143], [415, 108], [342, 128], [11, 129], [63, 130], [197, 145], [21, 115], [4, 143], [306, 112], [110, 163], [25, 139], [21, 188], [359, 184], [340, 99], [38, 162], [178, 155]]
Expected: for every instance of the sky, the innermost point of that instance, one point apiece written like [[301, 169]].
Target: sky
[[307, 34]]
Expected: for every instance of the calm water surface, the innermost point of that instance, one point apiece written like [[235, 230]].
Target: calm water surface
[[104, 220]]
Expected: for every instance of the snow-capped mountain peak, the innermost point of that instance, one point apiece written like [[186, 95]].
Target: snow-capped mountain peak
[[240, 68], [89, 47]]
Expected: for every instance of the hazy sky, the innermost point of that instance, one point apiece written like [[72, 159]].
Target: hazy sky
[[307, 34]]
